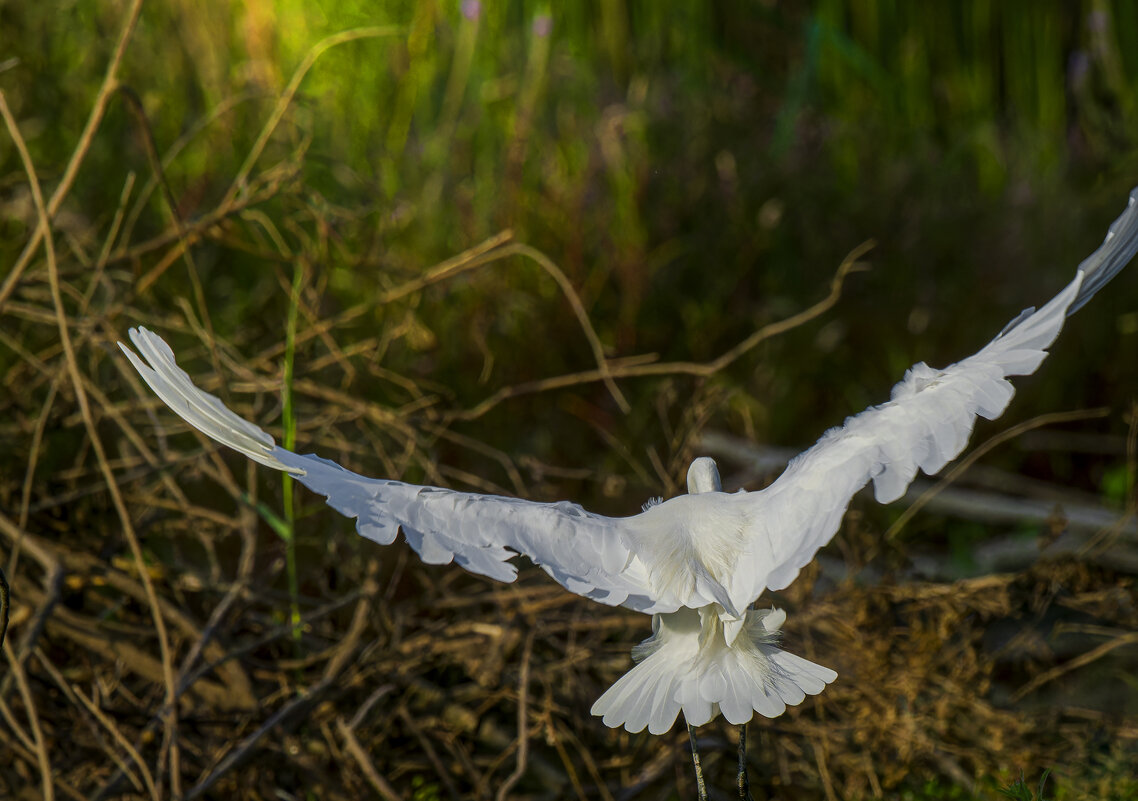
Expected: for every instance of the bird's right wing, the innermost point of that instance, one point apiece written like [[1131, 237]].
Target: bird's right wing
[[588, 554], [925, 424]]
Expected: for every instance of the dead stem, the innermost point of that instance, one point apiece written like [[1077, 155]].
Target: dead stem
[[523, 723], [96, 443], [638, 369], [98, 109], [5, 601], [38, 743]]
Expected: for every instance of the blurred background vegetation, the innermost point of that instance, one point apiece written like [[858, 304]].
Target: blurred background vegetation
[[289, 210]]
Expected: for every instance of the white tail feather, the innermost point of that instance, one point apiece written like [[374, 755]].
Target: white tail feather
[[687, 666]]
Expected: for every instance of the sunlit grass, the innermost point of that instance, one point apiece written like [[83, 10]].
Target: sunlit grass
[[288, 531]]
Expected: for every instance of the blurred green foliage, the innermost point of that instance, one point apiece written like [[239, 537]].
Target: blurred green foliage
[[696, 170]]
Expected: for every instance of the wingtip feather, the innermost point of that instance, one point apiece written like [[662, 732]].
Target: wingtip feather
[[203, 411]]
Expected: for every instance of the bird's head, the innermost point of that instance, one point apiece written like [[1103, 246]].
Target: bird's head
[[703, 476]]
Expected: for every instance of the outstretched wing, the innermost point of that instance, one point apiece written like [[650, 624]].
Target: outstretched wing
[[925, 425], [588, 554]]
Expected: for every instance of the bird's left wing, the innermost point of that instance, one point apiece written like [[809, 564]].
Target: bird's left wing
[[588, 554], [925, 424]]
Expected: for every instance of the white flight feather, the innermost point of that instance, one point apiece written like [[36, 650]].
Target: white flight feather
[[588, 554]]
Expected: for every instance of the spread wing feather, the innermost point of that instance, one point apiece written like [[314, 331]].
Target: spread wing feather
[[925, 424], [695, 549], [588, 554]]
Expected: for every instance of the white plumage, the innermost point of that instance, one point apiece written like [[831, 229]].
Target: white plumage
[[696, 562]]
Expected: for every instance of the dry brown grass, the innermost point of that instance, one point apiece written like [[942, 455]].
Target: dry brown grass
[[149, 655]]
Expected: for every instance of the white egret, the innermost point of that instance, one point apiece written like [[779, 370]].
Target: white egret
[[697, 562]]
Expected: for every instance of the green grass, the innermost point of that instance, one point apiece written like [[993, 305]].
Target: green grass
[[1021, 790]]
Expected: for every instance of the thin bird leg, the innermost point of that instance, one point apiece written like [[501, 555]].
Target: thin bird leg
[[699, 785], [744, 783]]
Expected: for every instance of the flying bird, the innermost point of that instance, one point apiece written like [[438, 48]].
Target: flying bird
[[698, 562]]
